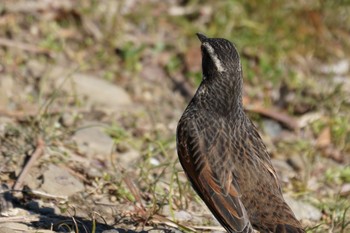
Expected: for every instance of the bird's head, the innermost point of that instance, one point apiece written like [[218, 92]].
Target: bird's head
[[218, 56]]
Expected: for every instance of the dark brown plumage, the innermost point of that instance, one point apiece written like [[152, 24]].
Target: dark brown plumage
[[222, 153]]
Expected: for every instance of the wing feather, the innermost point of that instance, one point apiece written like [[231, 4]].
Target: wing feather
[[221, 197]]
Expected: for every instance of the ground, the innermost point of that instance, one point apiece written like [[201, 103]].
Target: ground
[[91, 93]]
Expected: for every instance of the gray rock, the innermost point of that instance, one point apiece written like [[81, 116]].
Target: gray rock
[[341, 67], [59, 182], [303, 210], [218, 231], [6, 89], [68, 119], [32, 181], [95, 90], [111, 231], [98, 92], [93, 172], [10, 227], [343, 80], [129, 158], [182, 216], [91, 139], [6, 230], [42, 231], [272, 128], [120, 230], [4, 122], [283, 170], [296, 162], [345, 189]]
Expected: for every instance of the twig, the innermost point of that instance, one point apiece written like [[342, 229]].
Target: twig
[[105, 203], [35, 112], [209, 228], [134, 190], [18, 115], [46, 195], [23, 46], [28, 7], [77, 174], [212, 228], [19, 219], [164, 220], [274, 114], [36, 154]]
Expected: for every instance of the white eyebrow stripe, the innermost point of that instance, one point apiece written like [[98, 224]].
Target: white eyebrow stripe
[[213, 56]]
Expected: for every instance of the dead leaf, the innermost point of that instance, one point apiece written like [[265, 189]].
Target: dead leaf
[[324, 139]]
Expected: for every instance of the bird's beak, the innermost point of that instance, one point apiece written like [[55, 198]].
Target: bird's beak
[[201, 37]]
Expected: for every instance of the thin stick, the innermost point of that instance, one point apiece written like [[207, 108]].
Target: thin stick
[[274, 114], [212, 228], [37, 153], [47, 195], [19, 219], [23, 46]]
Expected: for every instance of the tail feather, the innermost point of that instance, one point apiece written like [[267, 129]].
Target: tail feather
[[285, 228], [247, 229]]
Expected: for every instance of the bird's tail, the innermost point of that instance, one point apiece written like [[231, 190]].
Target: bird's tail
[[285, 228]]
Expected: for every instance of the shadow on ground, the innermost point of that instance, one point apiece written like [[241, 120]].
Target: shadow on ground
[[46, 218]]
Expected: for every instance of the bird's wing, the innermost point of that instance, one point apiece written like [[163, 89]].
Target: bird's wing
[[203, 155], [255, 142]]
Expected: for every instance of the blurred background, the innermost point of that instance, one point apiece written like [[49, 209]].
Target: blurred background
[[91, 93]]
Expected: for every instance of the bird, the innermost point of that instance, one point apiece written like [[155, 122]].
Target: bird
[[222, 153]]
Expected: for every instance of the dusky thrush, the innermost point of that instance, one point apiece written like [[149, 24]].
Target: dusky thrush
[[222, 153]]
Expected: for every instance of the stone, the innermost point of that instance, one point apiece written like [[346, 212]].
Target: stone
[[345, 190], [182, 216], [98, 92], [67, 119], [272, 128], [91, 139], [340, 67], [93, 172], [6, 90], [111, 231], [296, 162], [6, 230], [59, 182], [303, 210], [94, 90], [283, 170], [11, 227], [128, 158]]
